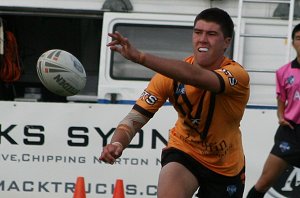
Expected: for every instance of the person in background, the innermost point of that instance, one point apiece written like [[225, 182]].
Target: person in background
[[209, 92], [286, 148]]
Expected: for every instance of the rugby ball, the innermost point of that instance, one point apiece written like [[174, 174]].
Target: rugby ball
[[61, 72]]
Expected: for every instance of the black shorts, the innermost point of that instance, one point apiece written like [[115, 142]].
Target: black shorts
[[287, 144], [211, 184]]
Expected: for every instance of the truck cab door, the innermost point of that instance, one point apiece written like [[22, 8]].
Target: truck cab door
[[122, 81]]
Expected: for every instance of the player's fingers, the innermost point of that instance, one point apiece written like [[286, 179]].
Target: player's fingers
[[286, 123], [112, 43], [115, 48], [108, 159], [291, 126], [123, 41], [118, 152], [116, 36], [107, 155]]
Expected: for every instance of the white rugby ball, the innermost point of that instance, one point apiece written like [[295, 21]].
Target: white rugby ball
[[61, 72]]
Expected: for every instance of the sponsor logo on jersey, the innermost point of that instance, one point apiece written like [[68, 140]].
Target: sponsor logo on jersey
[[226, 72], [290, 80], [297, 95], [231, 79], [195, 121], [284, 146], [231, 189], [180, 89], [148, 98]]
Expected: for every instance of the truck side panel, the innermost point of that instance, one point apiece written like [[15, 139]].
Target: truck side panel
[[45, 145]]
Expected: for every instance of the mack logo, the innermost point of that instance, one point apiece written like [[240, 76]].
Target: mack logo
[[288, 185]]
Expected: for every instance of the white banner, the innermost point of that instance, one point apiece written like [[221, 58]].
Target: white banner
[[45, 146]]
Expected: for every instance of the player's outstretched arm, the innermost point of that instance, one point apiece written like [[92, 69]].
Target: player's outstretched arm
[[175, 69]]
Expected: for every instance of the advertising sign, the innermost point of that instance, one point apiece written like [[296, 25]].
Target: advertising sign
[[44, 147]]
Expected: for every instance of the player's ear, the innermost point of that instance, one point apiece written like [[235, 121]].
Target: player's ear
[[227, 41]]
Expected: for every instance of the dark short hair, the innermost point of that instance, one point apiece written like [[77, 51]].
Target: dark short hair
[[295, 30], [218, 16]]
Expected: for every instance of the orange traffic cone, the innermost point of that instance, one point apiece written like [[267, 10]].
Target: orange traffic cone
[[119, 189], [79, 188]]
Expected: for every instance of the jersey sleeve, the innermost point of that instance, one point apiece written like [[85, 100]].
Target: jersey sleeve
[[236, 89], [233, 78], [154, 96]]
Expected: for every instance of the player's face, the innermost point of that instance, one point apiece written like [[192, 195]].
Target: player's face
[[209, 44], [296, 43]]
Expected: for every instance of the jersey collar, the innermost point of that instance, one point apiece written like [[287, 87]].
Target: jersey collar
[[295, 64]]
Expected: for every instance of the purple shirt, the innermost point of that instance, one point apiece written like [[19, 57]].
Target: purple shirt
[[288, 89]]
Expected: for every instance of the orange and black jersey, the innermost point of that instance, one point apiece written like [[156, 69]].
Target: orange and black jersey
[[208, 123]]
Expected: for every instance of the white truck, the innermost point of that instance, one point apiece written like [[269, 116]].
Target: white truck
[[47, 141]]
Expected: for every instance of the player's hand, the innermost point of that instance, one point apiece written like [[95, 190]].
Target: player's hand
[[123, 46], [284, 122], [111, 152]]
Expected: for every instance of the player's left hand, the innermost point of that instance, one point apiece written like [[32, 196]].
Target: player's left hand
[[284, 122], [110, 153]]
